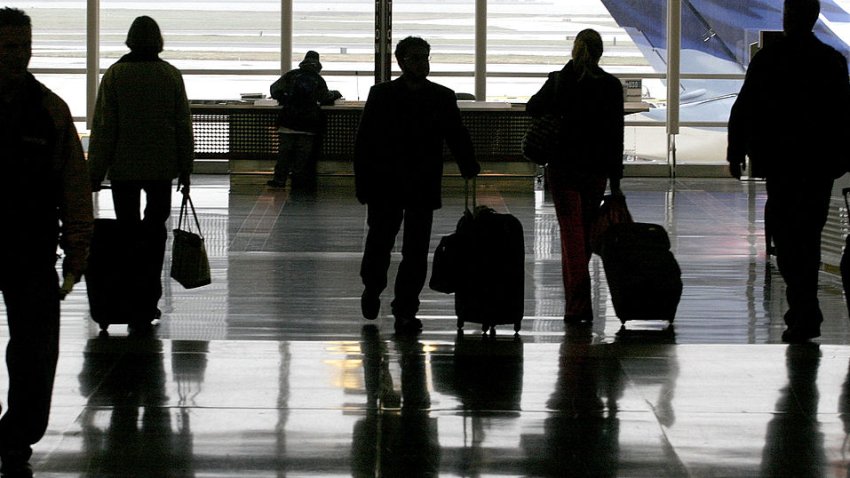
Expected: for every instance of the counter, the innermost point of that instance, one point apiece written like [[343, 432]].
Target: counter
[[240, 130]]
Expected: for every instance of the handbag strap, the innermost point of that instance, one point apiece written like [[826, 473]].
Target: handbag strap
[[183, 212]]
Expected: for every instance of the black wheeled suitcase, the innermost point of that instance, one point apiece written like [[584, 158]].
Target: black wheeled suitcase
[[644, 278], [491, 267], [493, 289], [112, 276]]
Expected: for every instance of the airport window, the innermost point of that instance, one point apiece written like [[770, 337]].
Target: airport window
[[228, 48], [343, 33]]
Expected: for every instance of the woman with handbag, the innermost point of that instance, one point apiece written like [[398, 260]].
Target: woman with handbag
[[142, 138], [589, 102]]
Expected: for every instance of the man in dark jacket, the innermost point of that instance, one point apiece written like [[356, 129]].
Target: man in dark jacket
[[40, 146], [792, 117], [301, 122], [398, 167]]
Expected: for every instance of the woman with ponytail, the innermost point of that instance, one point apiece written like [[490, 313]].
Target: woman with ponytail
[[590, 104]]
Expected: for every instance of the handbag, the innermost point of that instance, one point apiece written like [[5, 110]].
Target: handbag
[[445, 271], [613, 210], [190, 266], [542, 141]]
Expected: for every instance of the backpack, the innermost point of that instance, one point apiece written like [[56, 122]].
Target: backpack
[[301, 109]]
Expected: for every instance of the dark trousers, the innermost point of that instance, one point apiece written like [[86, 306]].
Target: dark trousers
[[798, 212], [576, 202], [31, 295], [295, 157], [151, 229], [384, 223]]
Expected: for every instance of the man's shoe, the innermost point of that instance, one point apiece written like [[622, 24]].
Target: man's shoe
[[407, 325], [799, 335], [370, 305], [276, 183]]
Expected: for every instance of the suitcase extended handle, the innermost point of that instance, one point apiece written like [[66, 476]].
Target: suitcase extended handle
[[474, 194]]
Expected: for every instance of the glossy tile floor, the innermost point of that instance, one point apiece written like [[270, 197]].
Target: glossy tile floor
[[270, 371]]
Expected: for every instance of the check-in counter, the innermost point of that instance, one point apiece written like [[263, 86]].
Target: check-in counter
[[241, 131]]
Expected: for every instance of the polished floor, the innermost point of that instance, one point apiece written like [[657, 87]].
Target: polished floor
[[271, 372]]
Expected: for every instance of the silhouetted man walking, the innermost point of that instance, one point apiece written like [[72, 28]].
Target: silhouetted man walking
[[792, 117], [398, 167]]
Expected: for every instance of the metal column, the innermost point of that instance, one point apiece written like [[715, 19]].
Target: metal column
[[674, 43], [92, 57], [481, 50], [285, 36], [383, 40]]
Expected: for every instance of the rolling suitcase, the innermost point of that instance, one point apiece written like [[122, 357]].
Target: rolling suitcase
[[644, 279], [490, 268], [112, 275]]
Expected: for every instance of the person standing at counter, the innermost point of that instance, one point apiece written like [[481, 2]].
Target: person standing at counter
[[301, 121], [142, 136], [590, 101], [800, 142], [398, 169]]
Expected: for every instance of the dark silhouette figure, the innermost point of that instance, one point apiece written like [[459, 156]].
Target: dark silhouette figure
[[791, 117], [142, 136], [794, 442], [581, 438], [398, 167], [301, 121], [40, 147], [590, 101], [124, 381], [486, 374], [398, 437]]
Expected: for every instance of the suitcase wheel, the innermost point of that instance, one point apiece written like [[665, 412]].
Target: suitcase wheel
[[517, 326], [460, 324]]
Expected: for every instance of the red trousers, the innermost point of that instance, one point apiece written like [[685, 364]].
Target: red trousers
[[577, 198]]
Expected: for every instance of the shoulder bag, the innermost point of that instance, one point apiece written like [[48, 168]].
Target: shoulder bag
[[542, 141], [190, 265]]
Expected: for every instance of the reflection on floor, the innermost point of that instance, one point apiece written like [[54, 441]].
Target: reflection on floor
[[270, 371]]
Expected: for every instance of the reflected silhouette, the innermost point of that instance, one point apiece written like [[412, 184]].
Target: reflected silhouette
[[844, 415], [485, 373], [397, 437], [188, 367], [127, 424], [794, 443], [582, 437], [662, 373]]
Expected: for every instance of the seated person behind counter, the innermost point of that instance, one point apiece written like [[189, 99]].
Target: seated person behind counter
[[301, 121]]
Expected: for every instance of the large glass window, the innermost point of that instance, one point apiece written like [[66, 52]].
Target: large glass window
[[59, 43], [208, 35], [228, 48], [534, 38], [449, 26], [343, 33]]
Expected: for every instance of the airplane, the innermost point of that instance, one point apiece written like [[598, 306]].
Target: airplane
[[715, 38]]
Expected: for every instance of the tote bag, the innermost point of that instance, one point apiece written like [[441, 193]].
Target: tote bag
[[190, 266], [542, 141]]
